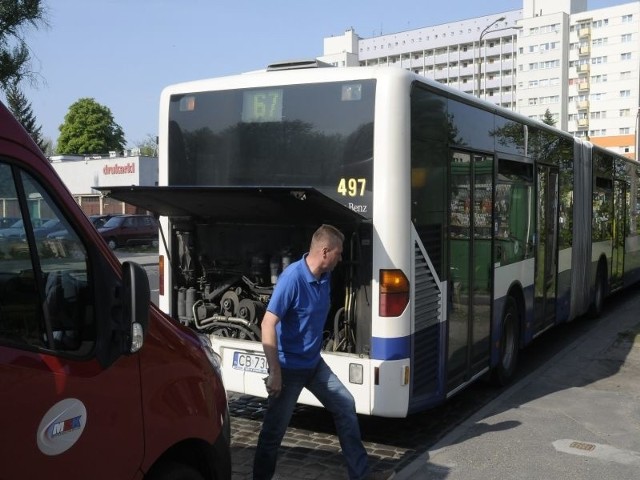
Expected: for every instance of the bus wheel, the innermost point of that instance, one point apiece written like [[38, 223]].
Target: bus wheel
[[504, 371], [595, 309], [174, 471]]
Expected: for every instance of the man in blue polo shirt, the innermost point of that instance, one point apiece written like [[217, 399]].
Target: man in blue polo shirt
[[292, 339]]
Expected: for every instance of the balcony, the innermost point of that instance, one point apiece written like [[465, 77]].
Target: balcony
[[507, 97], [584, 68], [583, 105], [583, 123], [582, 86], [441, 58], [584, 50], [584, 32], [469, 70]]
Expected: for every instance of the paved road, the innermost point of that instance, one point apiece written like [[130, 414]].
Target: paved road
[[311, 451]]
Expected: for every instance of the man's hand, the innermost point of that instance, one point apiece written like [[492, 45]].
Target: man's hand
[[270, 345], [273, 383]]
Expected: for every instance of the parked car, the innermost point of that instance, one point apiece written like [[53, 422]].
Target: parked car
[[97, 221], [125, 230], [6, 222], [45, 229], [16, 230]]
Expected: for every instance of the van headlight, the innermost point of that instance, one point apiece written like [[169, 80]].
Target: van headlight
[[214, 358]]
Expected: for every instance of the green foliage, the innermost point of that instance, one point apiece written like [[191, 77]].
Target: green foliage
[[15, 17], [149, 146], [548, 118], [89, 128], [21, 109]]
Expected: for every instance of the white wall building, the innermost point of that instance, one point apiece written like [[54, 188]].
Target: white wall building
[[80, 174], [582, 65]]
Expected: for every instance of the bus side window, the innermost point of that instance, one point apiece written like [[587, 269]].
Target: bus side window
[[514, 213]]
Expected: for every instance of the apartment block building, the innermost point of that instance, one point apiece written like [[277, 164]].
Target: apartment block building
[[581, 65]]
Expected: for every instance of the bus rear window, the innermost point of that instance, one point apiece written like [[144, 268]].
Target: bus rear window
[[311, 135]]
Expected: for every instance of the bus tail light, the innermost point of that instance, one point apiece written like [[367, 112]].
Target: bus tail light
[[161, 274], [394, 293]]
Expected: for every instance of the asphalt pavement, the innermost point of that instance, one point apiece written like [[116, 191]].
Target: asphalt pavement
[[576, 417]]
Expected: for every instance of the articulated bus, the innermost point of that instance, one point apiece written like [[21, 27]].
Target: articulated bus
[[470, 229]]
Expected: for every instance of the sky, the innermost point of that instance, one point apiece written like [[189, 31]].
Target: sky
[[122, 53]]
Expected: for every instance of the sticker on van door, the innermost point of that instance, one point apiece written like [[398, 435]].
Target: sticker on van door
[[62, 426]]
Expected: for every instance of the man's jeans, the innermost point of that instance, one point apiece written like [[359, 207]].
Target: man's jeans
[[322, 382]]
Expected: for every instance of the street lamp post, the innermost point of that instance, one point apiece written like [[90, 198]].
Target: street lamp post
[[482, 33]]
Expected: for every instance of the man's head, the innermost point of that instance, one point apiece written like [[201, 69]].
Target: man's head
[[326, 247]]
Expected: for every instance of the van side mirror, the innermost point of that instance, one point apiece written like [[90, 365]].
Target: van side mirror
[[136, 297]]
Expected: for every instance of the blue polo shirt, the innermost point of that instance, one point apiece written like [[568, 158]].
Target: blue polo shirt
[[302, 304]]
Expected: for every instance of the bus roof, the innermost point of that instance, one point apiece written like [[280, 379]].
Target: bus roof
[[306, 74]]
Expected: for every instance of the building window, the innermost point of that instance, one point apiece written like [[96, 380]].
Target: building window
[[627, 18], [598, 133], [625, 112], [624, 131], [625, 38], [625, 93]]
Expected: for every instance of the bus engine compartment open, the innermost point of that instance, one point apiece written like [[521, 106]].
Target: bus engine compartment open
[[226, 246], [225, 274]]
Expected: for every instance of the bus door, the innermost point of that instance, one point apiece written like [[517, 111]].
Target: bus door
[[620, 209], [471, 205], [546, 278]]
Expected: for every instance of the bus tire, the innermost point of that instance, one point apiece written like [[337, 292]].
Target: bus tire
[[505, 370], [597, 304], [174, 471]]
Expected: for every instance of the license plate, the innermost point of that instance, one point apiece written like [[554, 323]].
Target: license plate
[[249, 362]]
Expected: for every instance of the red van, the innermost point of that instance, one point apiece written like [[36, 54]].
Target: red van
[[95, 381]]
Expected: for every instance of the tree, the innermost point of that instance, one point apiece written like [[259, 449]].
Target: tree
[[15, 17], [21, 109], [89, 127], [512, 133], [149, 146], [548, 118]]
